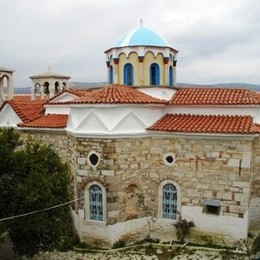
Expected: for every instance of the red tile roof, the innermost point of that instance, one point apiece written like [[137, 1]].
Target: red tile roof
[[80, 92], [219, 124], [116, 94], [27, 109], [214, 96], [48, 121], [74, 91]]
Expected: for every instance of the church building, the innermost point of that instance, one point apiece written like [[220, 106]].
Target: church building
[[145, 153]]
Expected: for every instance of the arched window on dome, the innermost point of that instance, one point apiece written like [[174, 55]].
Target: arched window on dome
[[154, 74], [111, 77], [170, 76], [128, 74]]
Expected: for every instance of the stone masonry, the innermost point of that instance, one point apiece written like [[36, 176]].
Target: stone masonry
[[131, 170]]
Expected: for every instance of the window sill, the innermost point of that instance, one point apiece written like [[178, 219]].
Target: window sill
[[95, 222]]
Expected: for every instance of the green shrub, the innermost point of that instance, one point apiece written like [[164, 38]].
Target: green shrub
[[183, 228], [119, 244]]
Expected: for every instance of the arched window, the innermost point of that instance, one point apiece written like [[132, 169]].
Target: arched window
[[37, 88], [46, 88], [63, 86], [128, 74], [57, 87], [154, 74], [169, 202], [95, 203], [111, 78], [170, 76], [169, 197]]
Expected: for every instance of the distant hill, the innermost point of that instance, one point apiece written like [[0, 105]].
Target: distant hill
[[255, 87]]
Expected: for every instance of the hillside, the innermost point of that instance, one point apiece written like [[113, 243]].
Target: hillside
[[255, 87]]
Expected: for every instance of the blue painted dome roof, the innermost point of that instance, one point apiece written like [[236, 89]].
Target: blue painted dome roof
[[141, 36]]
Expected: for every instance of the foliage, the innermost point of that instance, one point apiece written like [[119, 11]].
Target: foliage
[[148, 214], [32, 178], [68, 242], [119, 244], [183, 228]]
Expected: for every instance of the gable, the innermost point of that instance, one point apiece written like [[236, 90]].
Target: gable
[[64, 97], [8, 117]]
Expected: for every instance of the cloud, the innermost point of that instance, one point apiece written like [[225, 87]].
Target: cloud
[[71, 36]]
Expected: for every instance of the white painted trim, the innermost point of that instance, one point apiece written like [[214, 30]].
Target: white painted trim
[[36, 129], [159, 134], [116, 105], [108, 135]]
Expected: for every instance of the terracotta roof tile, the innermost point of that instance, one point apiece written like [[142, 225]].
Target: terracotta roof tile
[[27, 109], [214, 96], [75, 91], [220, 124], [80, 92], [117, 94], [48, 121]]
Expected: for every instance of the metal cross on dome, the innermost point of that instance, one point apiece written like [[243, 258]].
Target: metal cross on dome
[[141, 22]]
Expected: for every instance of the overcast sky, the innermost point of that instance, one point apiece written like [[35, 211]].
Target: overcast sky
[[218, 41]]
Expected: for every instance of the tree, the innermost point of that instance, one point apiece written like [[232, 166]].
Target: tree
[[33, 178]]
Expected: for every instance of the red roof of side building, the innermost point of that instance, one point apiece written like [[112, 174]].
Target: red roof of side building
[[116, 94], [27, 109], [214, 96], [73, 91], [48, 121], [211, 124]]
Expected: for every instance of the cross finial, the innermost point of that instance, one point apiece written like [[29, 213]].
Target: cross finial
[[49, 68], [141, 22]]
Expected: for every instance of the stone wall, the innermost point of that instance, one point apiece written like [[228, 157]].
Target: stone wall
[[132, 169], [255, 196]]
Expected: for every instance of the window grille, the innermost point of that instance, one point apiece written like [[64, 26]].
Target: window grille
[[95, 203], [169, 201]]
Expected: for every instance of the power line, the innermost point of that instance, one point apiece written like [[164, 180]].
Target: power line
[[74, 200], [40, 210]]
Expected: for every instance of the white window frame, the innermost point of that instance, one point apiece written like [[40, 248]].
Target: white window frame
[[87, 205]]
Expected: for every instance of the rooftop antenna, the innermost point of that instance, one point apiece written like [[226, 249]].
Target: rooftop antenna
[[141, 22]]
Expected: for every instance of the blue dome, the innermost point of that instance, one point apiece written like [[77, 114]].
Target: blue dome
[[141, 36]]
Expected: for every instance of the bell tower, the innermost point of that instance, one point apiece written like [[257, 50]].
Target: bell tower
[[47, 84], [6, 74]]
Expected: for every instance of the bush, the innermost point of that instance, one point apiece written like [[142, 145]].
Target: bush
[[119, 244], [183, 228]]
